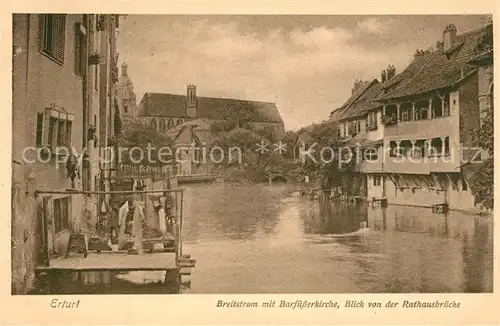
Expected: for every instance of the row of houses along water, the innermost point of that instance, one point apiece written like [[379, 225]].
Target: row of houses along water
[[417, 130], [65, 77]]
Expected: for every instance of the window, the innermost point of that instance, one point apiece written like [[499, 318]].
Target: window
[[437, 108], [446, 105], [170, 123], [372, 121], [125, 108], [53, 36], [436, 147], [61, 214], [179, 122], [80, 63], [58, 131], [377, 181], [52, 129], [162, 125], [405, 147], [419, 149], [421, 114], [370, 154], [394, 149], [447, 146], [39, 129], [153, 124], [406, 112]]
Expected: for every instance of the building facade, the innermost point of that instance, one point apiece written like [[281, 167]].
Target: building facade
[[417, 129], [165, 111], [63, 67]]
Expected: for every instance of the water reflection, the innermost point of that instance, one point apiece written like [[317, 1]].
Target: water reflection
[[408, 249], [229, 212]]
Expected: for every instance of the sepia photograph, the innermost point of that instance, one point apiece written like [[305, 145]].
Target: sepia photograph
[[251, 154]]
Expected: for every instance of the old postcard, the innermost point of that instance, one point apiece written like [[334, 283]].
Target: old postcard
[[252, 167]]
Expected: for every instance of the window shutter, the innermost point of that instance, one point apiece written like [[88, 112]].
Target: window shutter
[[59, 36], [39, 129], [42, 22], [78, 50]]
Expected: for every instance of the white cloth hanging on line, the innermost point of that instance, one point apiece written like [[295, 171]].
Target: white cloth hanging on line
[[162, 222]]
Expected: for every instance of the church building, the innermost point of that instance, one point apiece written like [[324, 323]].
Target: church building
[[164, 111], [125, 96]]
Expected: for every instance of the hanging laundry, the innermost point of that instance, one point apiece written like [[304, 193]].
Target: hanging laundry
[[162, 221], [104, 207]]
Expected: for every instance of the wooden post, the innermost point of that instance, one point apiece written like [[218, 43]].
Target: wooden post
[[45, 231]]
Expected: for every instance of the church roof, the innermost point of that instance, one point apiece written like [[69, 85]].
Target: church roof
[[173, 105]]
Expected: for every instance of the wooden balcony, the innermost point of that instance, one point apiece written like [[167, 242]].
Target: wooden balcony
[[422, 128]]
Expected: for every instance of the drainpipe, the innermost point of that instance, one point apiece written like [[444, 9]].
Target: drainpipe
[[85, 94]]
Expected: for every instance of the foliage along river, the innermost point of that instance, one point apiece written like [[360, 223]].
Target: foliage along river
[[263, 239]]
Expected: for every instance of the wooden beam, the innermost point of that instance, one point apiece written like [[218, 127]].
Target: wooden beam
[[112, 192]]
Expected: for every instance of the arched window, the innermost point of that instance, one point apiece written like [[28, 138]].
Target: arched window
[[170, 123], [162, 125], [153, 124], [179, 122]]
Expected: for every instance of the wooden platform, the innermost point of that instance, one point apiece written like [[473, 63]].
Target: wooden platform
[[113, 262]]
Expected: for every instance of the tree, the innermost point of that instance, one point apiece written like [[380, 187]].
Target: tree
[[483, 186], [138, 135], [238, 115], [324, 166]]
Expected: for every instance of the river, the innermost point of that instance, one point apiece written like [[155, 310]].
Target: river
[[262, 239]]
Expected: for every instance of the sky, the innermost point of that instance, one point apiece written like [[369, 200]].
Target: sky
[[307, 64]]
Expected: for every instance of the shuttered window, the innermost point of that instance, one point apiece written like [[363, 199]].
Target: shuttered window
[[52, 30], [39, 129], [61, 214], [80, 49]]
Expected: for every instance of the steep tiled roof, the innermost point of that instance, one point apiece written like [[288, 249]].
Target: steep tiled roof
[[437, 69], [172, 105], [353, 98], [363, 102]]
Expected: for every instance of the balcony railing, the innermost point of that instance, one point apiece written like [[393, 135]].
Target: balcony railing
[[389, 120]]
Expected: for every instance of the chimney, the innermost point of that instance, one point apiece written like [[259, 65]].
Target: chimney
[[418, 53], [191, 101], [449, 36], [392, 72], [357, 83], [383, 76]]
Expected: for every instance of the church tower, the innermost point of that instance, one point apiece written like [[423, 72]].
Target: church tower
[[125, 96]]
